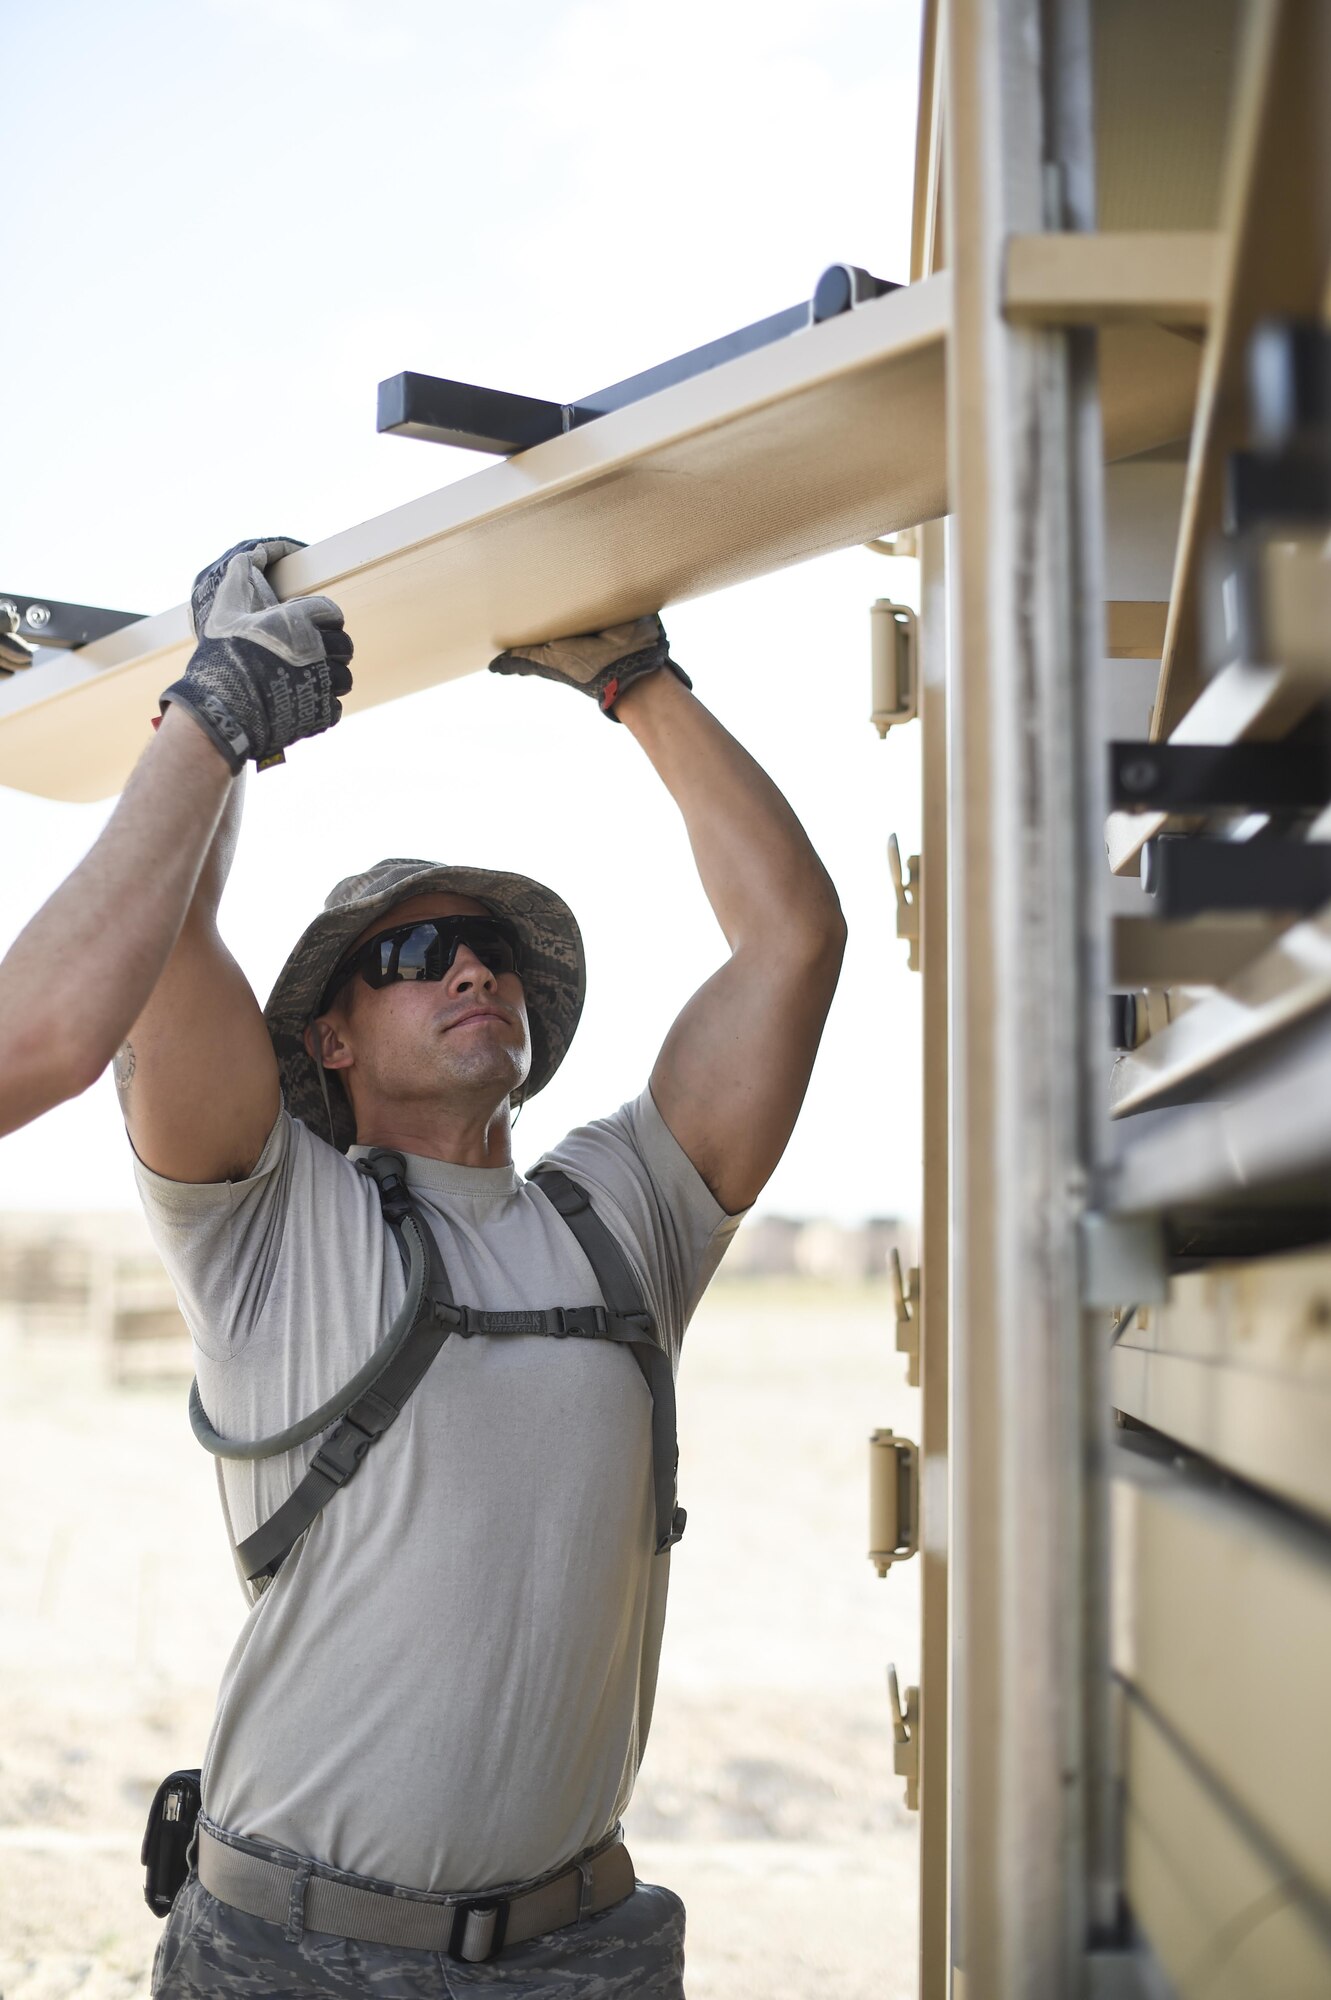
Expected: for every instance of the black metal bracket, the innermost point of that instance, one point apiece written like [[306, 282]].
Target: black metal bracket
[[1206, 777], [1198, 1237], [494, 420], [1272, 489], [44, 621], [1191, 875]]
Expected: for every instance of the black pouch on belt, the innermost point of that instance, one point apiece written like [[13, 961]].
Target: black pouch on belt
[[167, 1837]]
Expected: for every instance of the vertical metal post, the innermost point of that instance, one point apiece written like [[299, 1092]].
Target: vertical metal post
[[933, 1305], [1023, 461]]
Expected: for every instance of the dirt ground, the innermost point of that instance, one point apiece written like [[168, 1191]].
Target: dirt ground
[[767, 1797]]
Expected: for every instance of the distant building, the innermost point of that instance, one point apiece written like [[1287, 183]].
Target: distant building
[[777, 1246], [94, 1275]]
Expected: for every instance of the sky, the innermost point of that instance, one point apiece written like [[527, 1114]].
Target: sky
[[225, 223]]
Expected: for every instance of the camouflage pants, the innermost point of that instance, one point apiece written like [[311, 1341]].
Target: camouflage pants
[[210, 1951]]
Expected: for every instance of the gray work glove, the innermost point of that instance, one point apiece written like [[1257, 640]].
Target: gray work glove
[[15, 653], [263, 673], [602, 664]]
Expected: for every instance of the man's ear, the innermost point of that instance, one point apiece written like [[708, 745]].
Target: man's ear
[[325, 1045]]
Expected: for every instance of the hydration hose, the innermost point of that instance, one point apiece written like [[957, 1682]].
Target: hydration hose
[[337, 1405]]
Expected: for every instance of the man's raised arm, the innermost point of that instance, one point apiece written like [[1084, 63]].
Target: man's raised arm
[[731, 1076], [197, 1076], [76, 976]]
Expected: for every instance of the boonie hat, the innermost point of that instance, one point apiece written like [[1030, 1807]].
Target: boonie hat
[[554, 974]]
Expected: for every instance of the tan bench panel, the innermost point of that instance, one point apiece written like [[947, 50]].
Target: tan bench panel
[[1222, 1623], [829, 437], [1219, 1915]]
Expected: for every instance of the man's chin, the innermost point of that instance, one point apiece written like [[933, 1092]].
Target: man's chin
[[468, 1083]]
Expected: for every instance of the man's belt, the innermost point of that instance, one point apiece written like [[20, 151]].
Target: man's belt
[[472, 1928]]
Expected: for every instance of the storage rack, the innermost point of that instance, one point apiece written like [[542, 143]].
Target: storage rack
[[1125, 1310]]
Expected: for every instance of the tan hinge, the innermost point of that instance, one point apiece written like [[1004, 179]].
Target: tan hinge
[[905, 1737], [906, 884], [894, 636], [894, 1507], [906, 1305]]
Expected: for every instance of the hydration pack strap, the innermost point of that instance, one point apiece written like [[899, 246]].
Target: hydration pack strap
[[633, 1327], [622, 1319], [338, 1458]]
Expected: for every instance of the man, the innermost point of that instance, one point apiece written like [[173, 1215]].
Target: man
[[74, 980], [434, 1715]]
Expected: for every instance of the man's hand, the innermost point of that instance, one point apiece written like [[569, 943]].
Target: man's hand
[[602, 664], [263, 674]]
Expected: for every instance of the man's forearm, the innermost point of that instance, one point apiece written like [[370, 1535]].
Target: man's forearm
[[78, 975], [758, 868]]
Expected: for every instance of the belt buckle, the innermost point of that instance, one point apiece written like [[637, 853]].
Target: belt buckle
[[478, 1932]]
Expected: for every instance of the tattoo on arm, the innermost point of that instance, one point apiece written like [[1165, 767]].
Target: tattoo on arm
[[122, 1069]]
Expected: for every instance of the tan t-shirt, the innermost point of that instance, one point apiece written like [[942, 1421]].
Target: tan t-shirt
[[449, 1683]]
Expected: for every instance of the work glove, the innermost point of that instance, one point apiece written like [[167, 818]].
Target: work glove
[[263, 674], [14, 652], [602, 664]]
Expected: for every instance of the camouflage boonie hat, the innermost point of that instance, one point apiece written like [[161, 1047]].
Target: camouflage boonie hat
[[554, 974]]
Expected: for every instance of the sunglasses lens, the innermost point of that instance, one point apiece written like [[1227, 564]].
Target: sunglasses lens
[[413, 953], [495, 950]]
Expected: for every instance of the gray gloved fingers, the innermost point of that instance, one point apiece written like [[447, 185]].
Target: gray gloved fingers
[[265, 553], [319, 610], [264, 673], [238, 578]]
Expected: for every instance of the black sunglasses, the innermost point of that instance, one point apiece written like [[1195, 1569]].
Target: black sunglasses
[[426, 950]]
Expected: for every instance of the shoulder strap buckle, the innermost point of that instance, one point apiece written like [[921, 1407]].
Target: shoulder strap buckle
[[341, 1452], [389, 1171]]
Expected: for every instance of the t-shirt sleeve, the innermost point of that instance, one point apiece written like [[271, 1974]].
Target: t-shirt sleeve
[[655, 1202], [221, 1241]]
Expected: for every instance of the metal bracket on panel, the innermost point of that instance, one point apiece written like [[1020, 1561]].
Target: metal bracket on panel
[[1283, 778], [906, 1304], [45, 621], [894, 1500], [1123, 1260], [905, 1736], [1190, 875], [477, 419], [894, 654], [1198, 1236], [906, 886]]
